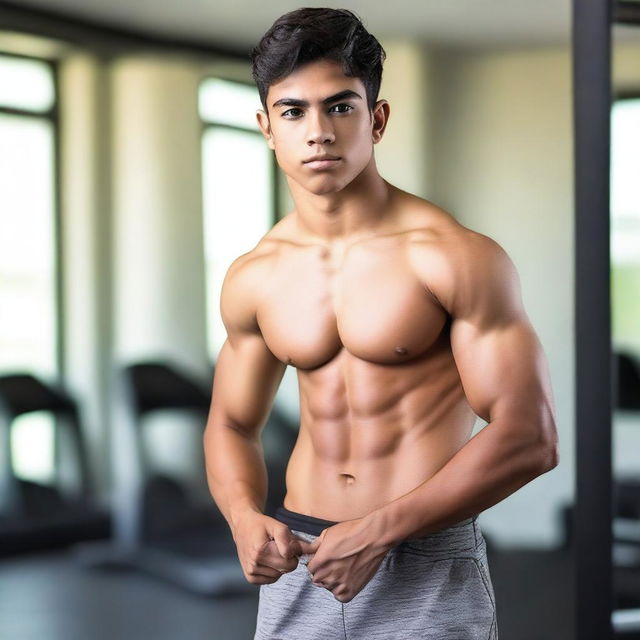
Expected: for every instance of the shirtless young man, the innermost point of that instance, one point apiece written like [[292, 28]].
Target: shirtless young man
[[403, 325]]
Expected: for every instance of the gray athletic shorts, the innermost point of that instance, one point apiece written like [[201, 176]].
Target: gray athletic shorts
[[437, 587]]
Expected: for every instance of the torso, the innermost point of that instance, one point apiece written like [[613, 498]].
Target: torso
[[381, 402]]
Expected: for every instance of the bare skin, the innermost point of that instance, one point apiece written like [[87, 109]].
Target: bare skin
[[402, 324], [381, 403]]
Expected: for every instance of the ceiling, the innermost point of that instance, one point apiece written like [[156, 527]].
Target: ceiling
[[463, 23], [466, 24]]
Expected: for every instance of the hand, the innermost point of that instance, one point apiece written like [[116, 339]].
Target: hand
[[266, 547], [344, 557]]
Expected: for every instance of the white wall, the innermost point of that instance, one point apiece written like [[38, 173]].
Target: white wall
[[404, 156], [86, 265], [158, 250], [504, 167], [157, 205]]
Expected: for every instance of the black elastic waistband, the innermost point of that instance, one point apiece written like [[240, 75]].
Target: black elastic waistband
[[301, 521]]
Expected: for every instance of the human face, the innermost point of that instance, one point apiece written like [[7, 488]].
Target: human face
[[317, 110]]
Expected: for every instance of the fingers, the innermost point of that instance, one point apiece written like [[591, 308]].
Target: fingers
[[269, 556], [262, 579], [295, 547], [260, 573], [310, 547], [266, 548], [288, 545], [275, 556], [267, 571]]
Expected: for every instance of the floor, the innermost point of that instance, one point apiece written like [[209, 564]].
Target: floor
[[44, 596]]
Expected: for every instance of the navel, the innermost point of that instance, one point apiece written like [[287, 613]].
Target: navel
[[348, 477], [401, 351]]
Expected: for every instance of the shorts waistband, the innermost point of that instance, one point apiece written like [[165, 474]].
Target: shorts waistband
[[462, 537], [463, 533], [302, 522]]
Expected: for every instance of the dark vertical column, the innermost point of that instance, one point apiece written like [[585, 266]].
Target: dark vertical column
[[593, 512]]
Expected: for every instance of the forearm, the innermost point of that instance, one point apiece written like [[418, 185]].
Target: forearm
[[491, 466], [236, 471]]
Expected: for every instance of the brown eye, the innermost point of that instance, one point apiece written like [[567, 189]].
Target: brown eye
[[342, 104]]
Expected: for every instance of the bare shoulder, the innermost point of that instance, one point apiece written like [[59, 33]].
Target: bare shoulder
[[244, 281], [467, 272]]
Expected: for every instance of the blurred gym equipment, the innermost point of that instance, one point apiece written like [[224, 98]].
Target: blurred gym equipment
[[35, 515], [160, 527]]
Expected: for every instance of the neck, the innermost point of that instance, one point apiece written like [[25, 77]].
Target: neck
[[360, 209]]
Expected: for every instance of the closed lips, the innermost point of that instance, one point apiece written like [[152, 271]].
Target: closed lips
[[322, 158]]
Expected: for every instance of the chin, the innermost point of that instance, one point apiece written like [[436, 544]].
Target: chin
[[325, 184], [320, 190]]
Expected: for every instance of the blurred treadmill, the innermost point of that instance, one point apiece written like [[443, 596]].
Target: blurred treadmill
[[37, 515], [159, 527], [626, 500]]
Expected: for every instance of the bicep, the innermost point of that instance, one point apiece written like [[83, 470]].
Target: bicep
[[246, 379], [502, 369], [500, 359], [247, 374]]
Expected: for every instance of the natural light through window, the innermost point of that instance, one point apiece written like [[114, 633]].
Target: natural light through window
[[26, 84], [224, 102], [237, 187], [625, 195], [28, 320], [625, 223]]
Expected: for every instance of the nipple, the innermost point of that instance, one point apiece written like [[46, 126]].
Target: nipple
[[401, 351]]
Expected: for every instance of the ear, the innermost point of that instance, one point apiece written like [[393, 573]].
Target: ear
[[265, 127], [380, 118]]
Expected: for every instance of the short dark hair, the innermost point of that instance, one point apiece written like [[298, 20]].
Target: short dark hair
[[313, 33]]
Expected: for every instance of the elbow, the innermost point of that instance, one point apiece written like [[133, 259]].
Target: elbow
[[550, 458], [549, 452], [542, 450], [546, 443]]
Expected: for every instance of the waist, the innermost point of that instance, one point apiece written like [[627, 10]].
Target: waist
[[461, 536], [302, 522]]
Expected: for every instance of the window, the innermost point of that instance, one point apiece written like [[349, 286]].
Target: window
[[625, 223], [28, 261], [239, 189]]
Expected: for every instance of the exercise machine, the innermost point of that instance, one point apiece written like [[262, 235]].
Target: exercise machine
[[38, 515], [160, 526]]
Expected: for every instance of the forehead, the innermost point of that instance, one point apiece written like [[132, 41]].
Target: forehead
[[314, 80]]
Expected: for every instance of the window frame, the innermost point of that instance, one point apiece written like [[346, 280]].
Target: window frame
[[51, 115], [207, 125], [211, 125]]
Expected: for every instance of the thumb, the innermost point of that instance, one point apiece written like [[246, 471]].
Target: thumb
[[285, 542], [310, 547]]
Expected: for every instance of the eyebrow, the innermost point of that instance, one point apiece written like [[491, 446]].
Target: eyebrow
[[296, 102]]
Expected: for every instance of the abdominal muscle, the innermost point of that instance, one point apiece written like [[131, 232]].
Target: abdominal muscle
[[342, 471]]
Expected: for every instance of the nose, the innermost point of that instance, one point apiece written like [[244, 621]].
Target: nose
[[319, 130]]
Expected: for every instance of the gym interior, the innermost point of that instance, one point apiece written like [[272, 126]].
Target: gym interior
[[125, 130]]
